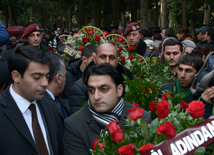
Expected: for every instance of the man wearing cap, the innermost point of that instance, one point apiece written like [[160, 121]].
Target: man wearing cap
[[33, 37], [201, 35], [133, 36], [12, 43], [209, 37]]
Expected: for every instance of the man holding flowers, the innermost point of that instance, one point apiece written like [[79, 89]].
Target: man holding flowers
[[105, 110]]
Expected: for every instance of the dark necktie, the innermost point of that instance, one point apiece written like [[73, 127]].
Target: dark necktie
[[40, 142], [61, 107]]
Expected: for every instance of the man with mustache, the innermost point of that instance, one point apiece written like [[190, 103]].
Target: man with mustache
[[172, 50], [28, 124], [105, 104], [188, 66]]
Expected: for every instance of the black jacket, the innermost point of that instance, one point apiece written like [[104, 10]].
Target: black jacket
[[79, 92], [15, 134], [170, 87], [211, 44], [81, 129], [73, 73], [144, 51]]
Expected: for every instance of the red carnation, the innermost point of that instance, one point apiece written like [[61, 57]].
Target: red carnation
[[144, 148], [81, 48], [126, 150], [168, 129], [90, 31], [120, 49], [196, 109], [131, 57], [95, 142], [165, 97], [135, 113], [97, 38], [50, 50], [131, 48], [120, 39], [105, 33], [77, 33], [138, 78], [59, 52], [68, 44], [85, 39], [122, 59], [152, 106], [113, 43], [183, 105], [163, 109], [115, 131], [141, 59], [135, 104], [61, 40]]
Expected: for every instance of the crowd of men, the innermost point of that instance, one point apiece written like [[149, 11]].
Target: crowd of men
[[41, 96]]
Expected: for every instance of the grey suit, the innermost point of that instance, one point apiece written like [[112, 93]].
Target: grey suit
[[81, 129]]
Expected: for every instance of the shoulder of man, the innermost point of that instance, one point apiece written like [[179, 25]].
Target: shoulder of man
[[169, 86]]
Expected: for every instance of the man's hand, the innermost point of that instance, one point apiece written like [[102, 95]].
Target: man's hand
[[208, 94]]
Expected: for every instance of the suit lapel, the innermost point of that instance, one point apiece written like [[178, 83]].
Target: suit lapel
[[15, 116]]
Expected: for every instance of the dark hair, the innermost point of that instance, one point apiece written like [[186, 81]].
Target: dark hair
[[104, 69], [144, 32], [184, 31], [191, 59], [202, 50], [88, 50], [157, 36], [171, 42], [210, 33], [55, 65], [122, 27], [23, 55], [169, 32], [5, 77]]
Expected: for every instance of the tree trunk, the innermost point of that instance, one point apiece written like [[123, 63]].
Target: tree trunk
[[184, 13], [163, 14], [194, 7], [144, 14], [157, 13], [115, 15], [206, 13], [134, 11], [10, 16], [97, 13], [43, 17], [81, 14], [122, 18]]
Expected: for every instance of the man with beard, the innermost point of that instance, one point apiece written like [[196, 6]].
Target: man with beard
[[188, 66], [172, 50], [105, 104], [133, 36]]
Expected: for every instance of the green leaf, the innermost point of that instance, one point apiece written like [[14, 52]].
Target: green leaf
[[154, 126], [200, 151]]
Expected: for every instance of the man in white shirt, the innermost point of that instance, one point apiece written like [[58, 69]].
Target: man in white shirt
[[23, 129]]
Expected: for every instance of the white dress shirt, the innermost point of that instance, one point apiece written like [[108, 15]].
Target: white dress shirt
[[23, 105]]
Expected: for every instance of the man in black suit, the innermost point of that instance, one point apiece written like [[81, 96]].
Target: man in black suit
[[57, 82], [28, 124], [105, 104]]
